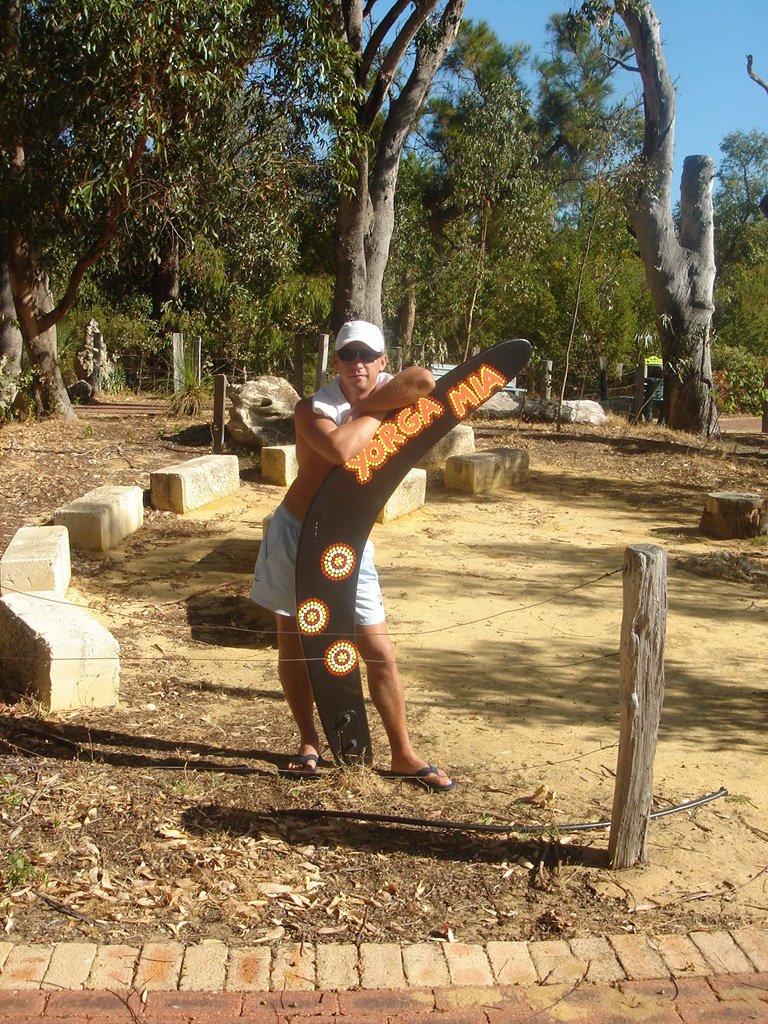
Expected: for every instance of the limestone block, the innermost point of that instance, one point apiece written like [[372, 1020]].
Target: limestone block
[[459, 441], [279, 464], [727, 515], [37, 559], [486, 471], [407, 497], [57, 653], [188, 485], [102, 517]]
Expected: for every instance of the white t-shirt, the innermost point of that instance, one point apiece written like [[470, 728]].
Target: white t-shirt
[[331, 402]]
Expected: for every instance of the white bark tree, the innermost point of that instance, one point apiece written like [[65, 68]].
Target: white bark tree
[[679, 267], [365, 217]]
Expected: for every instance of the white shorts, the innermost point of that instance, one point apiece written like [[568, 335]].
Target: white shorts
[[274, 585]]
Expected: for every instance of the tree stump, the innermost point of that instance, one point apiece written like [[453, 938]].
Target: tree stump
[[641, 691], [727, 515]]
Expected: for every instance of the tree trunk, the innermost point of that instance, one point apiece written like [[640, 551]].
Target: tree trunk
[[33, 300], [406, 318], [10, 335], [680, 271], [352, 217], [366, 213], [165, 280]]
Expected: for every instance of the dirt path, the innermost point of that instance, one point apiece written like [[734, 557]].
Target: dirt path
[[506, 611]]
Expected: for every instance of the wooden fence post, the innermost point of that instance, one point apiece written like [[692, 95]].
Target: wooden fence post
[[638, 401], [178, 363], [197, 355], [603, 379], [548, 378], [219, 401], [322, 360], [641, 691], [298, 364], [764, 424]]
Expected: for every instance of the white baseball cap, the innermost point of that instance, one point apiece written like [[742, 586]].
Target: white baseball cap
[[360, 330]]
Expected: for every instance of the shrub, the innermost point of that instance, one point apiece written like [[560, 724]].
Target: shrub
[[740, 377]]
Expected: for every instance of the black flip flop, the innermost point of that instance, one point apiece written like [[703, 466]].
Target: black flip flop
[[310, 761], [419, 778]]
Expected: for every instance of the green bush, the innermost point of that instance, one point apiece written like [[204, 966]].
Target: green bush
[[740, 377]]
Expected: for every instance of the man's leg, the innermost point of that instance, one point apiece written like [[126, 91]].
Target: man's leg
[[386, 689], [292, 669]]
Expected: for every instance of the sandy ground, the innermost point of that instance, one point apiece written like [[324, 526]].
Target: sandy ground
[[506, 612]]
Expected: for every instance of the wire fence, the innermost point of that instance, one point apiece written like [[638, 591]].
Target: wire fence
[[264, 634]]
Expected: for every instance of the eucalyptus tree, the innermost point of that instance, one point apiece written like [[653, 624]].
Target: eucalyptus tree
[[471, 211], [393, 55], [679, 262], [111, 115]]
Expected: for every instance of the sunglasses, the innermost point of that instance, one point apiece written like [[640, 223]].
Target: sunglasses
[[351, 355]]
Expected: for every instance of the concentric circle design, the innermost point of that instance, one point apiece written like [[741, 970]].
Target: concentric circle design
[[338, 561], [313, 616], [341, 658]]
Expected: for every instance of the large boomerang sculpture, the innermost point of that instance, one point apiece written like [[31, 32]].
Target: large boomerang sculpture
[[340, 519]]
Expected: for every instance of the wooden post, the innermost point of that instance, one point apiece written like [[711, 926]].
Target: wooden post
[[178, 363], [764, 425], [639, 398], [298, 364], [197, 355], [643, 630], [603, 379], [548, 378], [219, 401], [322, 360]]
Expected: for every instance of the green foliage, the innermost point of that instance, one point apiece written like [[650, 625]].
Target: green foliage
[[21, 871], [740, 377], [222, 134], [741, 243]]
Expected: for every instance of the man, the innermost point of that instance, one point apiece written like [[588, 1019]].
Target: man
[[331, 427]]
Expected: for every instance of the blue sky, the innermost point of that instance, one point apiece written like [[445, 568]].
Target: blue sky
[[705, 45]]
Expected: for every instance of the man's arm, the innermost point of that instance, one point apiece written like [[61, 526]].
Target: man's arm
[[339, 444], [334, 444], [404, 389]]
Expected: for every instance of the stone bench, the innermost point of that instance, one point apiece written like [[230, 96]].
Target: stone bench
[[188, 485], [458, 441], [102, 517], [57, 653], [279, 464], [486, 471], [408, 496], [728, 515], [37, 560]]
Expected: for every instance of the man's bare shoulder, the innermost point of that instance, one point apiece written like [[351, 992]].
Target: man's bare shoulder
[[303, 412]]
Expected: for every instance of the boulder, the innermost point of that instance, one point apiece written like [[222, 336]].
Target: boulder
[[262, 411], [500, 406], [543, 410], [81, 392]]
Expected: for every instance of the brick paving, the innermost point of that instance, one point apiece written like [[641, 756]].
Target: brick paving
[[718, 977]]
